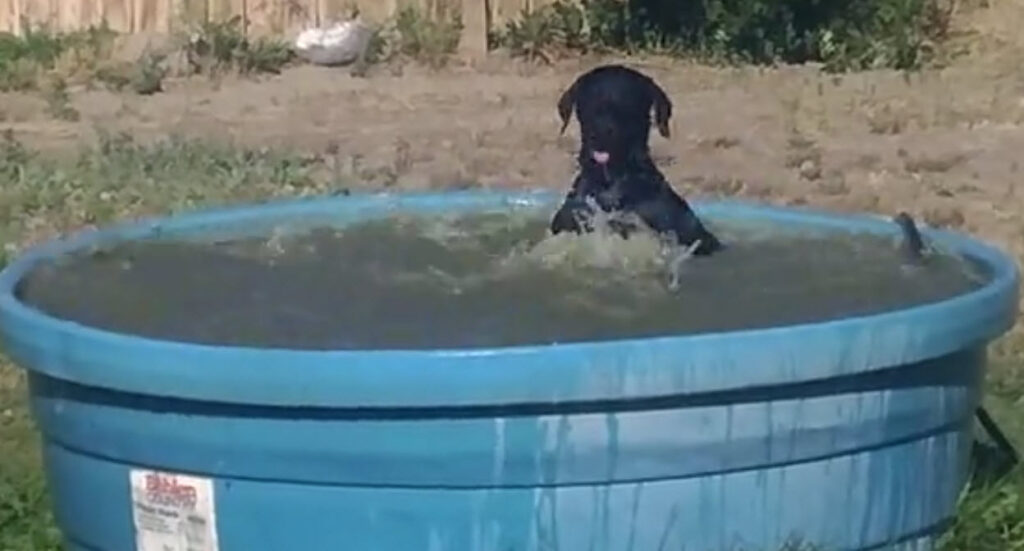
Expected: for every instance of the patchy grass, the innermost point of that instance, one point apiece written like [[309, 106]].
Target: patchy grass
[[991, 518], [26, 523], [26, 60], [58, 100], [43, 61], [119, 178], [991, 513], [116, 179]]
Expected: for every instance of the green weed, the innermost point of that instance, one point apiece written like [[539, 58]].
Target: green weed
[[414, 35], [58, 100], [25, 60], [847, 35], [220, 47], [26, 521]]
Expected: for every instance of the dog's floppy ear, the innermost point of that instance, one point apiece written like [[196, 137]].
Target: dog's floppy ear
[[565, 105], [662, 109]]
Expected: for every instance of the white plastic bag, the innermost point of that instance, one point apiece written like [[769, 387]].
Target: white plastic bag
[[339, 44]]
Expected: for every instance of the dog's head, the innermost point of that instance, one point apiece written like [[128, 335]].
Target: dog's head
[[610, 138], [613, 105]]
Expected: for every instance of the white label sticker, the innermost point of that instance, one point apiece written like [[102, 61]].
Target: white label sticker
[[173, 512]]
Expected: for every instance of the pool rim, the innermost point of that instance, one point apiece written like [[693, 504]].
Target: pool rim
[[611, 370]]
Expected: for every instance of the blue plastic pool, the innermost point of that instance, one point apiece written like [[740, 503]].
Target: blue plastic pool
[[850, 434]]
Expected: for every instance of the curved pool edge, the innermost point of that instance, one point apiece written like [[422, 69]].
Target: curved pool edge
[[588, 371]]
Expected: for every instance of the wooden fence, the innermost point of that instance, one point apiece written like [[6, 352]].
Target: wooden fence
[[261, 16]]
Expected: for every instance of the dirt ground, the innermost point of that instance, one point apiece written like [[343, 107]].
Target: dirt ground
[[945, 145]]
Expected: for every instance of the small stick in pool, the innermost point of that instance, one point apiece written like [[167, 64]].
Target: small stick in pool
[[913, 243], [676, 266]]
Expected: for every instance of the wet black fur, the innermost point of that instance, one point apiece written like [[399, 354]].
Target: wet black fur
[[613, 105]]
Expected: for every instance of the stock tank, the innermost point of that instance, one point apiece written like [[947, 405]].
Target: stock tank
[[851, 434]]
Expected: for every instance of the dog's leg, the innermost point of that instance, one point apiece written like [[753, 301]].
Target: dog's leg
[[670, 215], [621, 228], [569, 215], [564, 221]]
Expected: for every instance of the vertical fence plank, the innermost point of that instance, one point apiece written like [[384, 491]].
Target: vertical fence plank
[[390, 7], [433, 8], [9, 16], [473, 43], [222, 10], [78, 14], [297, 14], [331, 11], [118, 14], [164, 15], [89, 13], [189, 13], [280, 16], [378, 10], [142, 14], [504, 11], [259, 15], [151, 16], [542, 3], [65, 16], [55, 18], [33, 13]]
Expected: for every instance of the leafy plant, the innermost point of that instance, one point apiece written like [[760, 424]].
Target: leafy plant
[[542, 34], [149, 73], [58, 100], [26, 522], [991, 517], [431, 40], [218, 47], [844, 34]]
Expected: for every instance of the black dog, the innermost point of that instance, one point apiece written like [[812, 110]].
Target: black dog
[[613, 105]]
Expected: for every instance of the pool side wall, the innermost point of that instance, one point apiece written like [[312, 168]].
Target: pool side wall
[[850, 435], [871, 460]]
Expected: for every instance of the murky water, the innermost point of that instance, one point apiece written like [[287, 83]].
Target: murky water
[[485, 280]]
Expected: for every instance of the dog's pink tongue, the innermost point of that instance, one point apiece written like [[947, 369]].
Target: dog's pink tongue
[[601, 157]]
